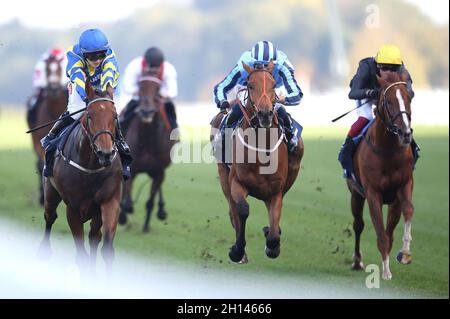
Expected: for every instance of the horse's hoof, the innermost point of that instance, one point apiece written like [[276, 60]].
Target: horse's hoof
[[237, 255], [162, 215], [404, 258], [44, 252], [266, 231], [272, 252], [146, 229], [122, 218], [357, 265], [387, 275]]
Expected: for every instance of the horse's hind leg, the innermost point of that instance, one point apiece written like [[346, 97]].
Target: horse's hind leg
[[404, 255], [239, 195], [273, 235], [95, 236], [156, 185], [76, 226], [357, 205], [51, 202]]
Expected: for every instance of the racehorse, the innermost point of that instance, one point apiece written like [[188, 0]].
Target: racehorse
[[52, 104], [87, 176], [246, 177], [148, 136], [384, 164]]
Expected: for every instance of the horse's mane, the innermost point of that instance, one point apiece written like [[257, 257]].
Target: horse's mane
[[391, 77]]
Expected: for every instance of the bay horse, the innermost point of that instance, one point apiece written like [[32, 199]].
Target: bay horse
[[384, 165], [87, 176], [246, 177], [148, 136], [53, 103]]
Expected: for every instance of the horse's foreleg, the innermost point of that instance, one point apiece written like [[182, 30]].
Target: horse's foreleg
[[239, 195], [51, 202], [156, 184], [110, 214], [126, 205], [162, 214], [76, 226], [393, 217], [95, 236], [357, 205], [40, 167], [405, 196], [273, 236], [374, 200]]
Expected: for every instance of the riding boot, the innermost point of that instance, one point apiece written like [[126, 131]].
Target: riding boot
[[415, 149], [32, 106], [127, 115], [124, 153], [56, 129], [169, 107], [288, 128], [346, 155], [234, 115]]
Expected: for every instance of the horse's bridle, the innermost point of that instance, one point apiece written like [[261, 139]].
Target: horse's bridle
[[93, 137], [254, 105], [149, 78], [389, 121]]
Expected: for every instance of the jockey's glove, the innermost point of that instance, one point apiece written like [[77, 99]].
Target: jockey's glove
[[224, 106], [373, 93]]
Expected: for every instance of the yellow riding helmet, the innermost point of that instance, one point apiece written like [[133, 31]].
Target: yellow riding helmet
[[389, 54]]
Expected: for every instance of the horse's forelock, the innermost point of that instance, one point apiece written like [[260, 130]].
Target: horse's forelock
[[391, 77]]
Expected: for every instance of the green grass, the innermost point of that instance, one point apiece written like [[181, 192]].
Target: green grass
[[317, 240]]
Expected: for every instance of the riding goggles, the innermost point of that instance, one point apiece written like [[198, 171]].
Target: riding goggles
[[94, 56]]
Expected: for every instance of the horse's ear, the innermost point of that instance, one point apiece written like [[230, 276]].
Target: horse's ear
[[270, 66], [382, 82], [247, 68], [89, 89], [109, 90]]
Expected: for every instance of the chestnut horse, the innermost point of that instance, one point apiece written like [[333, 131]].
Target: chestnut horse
[[87, 176], [53, 103], [384, 165], [149, 139], [247, 175]]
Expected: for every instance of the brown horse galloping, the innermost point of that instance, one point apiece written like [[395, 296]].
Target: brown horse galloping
[[384, 165], [53, 103], [149, 138], [247, 175], [87, 176]]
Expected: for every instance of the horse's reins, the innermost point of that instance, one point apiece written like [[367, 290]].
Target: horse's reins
[[92, 140]]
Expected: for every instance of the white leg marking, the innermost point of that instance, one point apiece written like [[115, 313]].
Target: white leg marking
[[407, 238], [387, 275]]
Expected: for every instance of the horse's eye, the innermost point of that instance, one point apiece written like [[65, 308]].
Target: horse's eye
[[250, 87]]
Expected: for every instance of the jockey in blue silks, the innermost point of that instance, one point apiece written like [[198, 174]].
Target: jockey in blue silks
[[92, 57], [261, 54]]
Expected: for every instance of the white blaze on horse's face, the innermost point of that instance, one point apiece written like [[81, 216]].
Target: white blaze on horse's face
[[53, 76], [401, 103]]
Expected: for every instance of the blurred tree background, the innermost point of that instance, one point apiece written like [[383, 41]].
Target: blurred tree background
[[205, 40]]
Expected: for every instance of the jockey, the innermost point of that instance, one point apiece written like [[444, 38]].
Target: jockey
[[40, 77], [364, 88], [153, 59], [283, 73], [92, 57]]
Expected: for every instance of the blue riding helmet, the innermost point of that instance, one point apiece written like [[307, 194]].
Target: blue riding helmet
[[264, 51], [93, 40]]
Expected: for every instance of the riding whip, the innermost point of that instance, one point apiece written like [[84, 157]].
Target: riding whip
[[341, 116], [54, 121]]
